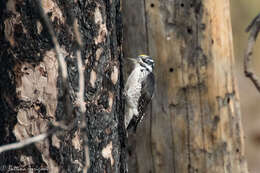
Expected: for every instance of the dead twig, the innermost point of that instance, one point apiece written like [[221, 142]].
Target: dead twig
[[25, 142], [254, 29], [61, 61], [57, 127], [81, 95]]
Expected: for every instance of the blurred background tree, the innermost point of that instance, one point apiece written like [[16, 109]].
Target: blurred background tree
[[242, 13]]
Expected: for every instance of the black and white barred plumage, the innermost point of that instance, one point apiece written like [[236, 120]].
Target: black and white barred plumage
[[139, 90]]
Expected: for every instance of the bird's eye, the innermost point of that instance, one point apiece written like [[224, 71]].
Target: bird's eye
[[148, 61]]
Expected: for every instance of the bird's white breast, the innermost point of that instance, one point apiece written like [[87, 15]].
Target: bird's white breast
[[134, 85]]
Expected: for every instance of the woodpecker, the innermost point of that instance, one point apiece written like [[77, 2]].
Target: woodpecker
[[138, 90]]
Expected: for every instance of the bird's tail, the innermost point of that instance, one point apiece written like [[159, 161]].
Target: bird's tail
[[132, 126], [128, 116]]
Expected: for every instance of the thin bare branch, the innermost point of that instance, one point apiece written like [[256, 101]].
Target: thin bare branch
[[61, 61], [80, 68], [57, 127], [81, 95], [25, 142], [253, 28], [77, 33], [82, 110], [60, 57], [81, 83]]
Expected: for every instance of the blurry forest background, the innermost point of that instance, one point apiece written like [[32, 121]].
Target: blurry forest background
[[242, 13]]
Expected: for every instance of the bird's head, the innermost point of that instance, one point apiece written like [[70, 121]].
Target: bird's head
[[144, 60]]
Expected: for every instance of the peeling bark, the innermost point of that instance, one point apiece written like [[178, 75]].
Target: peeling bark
[[30, 87]]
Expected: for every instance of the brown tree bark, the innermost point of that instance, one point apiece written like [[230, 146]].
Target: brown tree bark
[[194, 124], [30, 85]]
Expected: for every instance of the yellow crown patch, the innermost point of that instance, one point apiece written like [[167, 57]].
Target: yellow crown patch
[[143, 55]]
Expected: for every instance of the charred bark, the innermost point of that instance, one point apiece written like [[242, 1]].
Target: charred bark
[[30, 87]]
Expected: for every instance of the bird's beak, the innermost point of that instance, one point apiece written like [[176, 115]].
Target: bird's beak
[[132, 60]]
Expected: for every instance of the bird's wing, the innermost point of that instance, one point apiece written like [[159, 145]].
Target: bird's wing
[[146, 93]]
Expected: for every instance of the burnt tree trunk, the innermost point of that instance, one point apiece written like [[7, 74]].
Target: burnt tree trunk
[[30, 85], [194, 124]]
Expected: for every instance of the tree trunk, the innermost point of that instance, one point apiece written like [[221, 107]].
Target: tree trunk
[[30, 87], [194, 124]]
